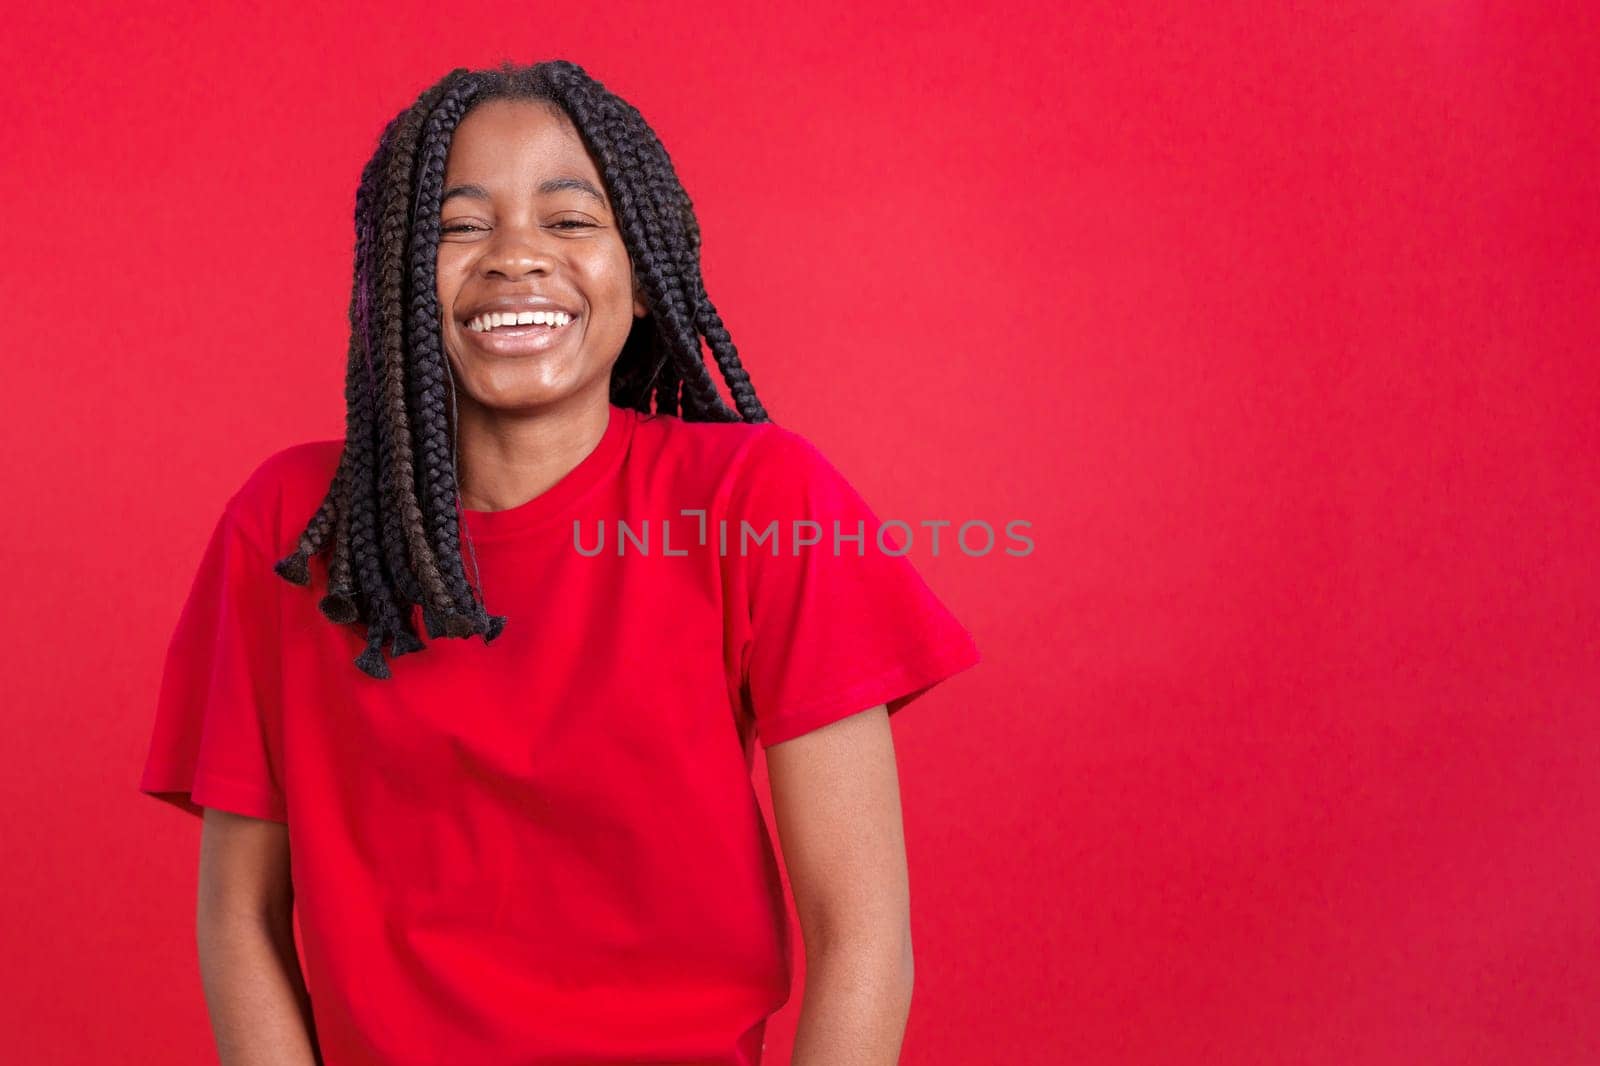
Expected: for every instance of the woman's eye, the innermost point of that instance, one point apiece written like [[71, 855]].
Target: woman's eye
[[463, 227]]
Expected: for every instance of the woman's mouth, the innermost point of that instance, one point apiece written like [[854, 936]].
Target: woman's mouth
[[511, 333]]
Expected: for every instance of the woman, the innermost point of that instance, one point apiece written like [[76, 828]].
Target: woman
[[543, 845]]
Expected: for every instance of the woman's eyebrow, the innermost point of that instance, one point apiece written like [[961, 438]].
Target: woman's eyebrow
[[545, 188]]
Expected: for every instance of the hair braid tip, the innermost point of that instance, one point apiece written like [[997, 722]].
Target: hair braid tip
[[405, 642], [293, 568], [372, 662], [338, 607]]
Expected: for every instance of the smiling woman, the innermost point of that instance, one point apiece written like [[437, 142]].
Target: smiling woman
[[506, 160], [547, 851]]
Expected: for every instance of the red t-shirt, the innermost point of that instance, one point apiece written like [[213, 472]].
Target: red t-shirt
[[548, 849]]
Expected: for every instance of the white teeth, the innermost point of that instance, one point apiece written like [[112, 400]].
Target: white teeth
[[484, 323]]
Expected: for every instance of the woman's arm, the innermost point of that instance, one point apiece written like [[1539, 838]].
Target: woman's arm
[[836, 801], [249, 968]]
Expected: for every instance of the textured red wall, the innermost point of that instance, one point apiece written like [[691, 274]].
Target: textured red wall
[[1277, 323]]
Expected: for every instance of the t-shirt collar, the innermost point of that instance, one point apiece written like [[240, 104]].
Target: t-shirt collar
[[556, 501]]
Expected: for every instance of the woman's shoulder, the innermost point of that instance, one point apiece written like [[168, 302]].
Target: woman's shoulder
[[755, 467], [283, 490]]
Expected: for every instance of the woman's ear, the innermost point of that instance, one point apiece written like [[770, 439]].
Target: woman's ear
[[639, 307]]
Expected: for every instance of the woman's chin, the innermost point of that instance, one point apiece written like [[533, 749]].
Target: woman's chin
[[507, 388]]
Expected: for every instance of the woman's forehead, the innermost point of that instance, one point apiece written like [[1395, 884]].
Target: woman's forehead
[[513, 138]]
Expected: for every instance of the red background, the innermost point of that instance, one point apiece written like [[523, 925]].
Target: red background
[[1278, 326]]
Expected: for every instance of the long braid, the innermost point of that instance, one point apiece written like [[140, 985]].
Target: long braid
[[375, 593], [733, 372], [426, 585], [379, 588], [339, 604], [439, 507], [398, 581], [391, 518]]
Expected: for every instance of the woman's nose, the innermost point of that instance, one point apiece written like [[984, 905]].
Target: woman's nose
[[516, 250]]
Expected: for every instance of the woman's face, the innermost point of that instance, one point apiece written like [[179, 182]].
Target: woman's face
[[525, 222]]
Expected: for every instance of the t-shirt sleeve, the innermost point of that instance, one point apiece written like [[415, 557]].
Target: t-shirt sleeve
[[216, 740], [832, 623]]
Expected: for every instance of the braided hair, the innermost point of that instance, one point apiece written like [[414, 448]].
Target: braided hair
[[390, 522]]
